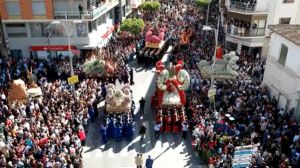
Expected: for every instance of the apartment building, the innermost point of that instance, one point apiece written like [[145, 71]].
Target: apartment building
[[282, 72], [40, 28], [248, 21]]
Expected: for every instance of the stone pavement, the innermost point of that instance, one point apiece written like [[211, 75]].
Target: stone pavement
[[169, 151]]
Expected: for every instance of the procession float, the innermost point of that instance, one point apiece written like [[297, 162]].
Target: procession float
[[95, 67], [118, 122], [185, 37], [155, 45], [170, 98], [19, 93], [222, 69]]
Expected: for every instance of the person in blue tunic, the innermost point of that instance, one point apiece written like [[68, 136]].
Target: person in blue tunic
[[118, 132], [124, 129], [103, 132], [91, 113], [111, 128], [130, 131]]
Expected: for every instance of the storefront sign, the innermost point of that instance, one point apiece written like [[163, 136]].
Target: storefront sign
[[52, 48], [73, 79], [109, 31]]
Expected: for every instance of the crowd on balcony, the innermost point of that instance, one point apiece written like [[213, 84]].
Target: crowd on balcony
[[243, 4]]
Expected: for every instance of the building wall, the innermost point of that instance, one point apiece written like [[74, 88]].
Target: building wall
[[93, 38], [283, 81], [278, 10], [262, 5], [293, 59]]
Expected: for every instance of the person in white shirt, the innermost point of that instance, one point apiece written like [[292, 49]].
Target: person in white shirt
[[157, 130], [184, 129]]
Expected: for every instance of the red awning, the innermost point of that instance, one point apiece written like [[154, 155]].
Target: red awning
[[52, 48], [108, 32]]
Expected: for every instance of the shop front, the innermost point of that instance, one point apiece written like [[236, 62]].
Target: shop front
[[53, 51]]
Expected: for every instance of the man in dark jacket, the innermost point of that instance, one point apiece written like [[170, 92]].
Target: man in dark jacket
[[149, 162]]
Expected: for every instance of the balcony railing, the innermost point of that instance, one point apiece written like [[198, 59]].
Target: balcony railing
[[245, 7], [246, 32], [91, 14], [127, 9]]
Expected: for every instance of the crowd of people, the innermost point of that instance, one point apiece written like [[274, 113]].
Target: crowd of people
[[50, 132], [117, 126]]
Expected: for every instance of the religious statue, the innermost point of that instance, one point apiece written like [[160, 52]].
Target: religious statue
[[171, 84], [225, 68], [118, 98], [154, 37]]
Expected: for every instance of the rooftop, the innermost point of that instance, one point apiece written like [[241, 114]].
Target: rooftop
[[290, 32]]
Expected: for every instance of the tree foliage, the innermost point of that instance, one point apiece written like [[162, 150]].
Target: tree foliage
[[150, 6], [93, 67], [133, 26], [202, 3]]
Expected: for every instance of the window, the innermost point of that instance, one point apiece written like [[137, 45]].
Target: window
[[17, 54], [38, 8], [82, 30], [284, 20], [101, 20], [288, 1], [13, 8], [40, 30], [16, 30], [283, 54]]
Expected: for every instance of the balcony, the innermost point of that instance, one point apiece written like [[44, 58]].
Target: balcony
[[246, 8], [86, 15], [246, 33], [127, 10]]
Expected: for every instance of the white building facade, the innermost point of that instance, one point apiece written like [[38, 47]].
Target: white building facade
[[90, 25], [282, 72], [258, 14]]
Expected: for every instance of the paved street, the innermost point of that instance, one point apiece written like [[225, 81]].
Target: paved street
[[169, 151]]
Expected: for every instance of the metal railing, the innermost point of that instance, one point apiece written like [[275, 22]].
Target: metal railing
[[91, 14], [243, 7], [246, 32], [127, 9]]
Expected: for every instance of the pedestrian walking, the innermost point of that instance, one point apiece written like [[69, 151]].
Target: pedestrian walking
[[131, 76], [157, 127], [149, 162], [142, 131], [142, 105], [139, 160], [184, 130]]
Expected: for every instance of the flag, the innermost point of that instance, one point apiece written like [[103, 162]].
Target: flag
[[219, 53]]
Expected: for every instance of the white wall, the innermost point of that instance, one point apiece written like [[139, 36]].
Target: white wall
[[95, 35], [293, 59], [284, 81], [262, 5], [278, 9]]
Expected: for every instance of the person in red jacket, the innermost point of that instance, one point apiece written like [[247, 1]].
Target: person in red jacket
[[82, 136]]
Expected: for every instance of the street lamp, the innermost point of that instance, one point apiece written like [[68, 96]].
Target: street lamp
[[216, 32], [67, 26]]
